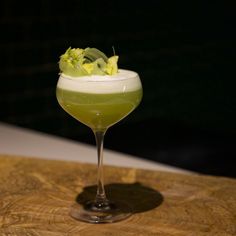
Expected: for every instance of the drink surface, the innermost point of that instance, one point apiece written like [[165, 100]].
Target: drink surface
[[99, 103]]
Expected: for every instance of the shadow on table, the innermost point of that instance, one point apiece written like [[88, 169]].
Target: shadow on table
[[139, 198]]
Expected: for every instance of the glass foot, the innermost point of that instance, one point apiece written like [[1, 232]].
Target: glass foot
[[96, 213]]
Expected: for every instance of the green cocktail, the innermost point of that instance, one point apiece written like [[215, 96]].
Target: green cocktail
[[98, 111], [92, 90]]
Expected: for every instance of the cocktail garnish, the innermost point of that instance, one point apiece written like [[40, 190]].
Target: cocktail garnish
[[89, 61]]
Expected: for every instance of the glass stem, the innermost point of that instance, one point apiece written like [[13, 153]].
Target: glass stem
[[101, 195]]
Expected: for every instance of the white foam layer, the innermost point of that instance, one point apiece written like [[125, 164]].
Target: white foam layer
[[123, 81]]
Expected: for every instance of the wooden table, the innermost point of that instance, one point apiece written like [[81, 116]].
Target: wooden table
[[35, 195]]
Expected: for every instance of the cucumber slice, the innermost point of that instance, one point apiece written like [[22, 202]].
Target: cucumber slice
[[92, 54]]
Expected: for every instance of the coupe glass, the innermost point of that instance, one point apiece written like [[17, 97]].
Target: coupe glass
[[99, 102]]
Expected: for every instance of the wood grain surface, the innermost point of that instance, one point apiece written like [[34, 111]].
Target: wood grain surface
[[35, 196]]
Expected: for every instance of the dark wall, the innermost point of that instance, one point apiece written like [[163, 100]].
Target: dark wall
[[183, 51]]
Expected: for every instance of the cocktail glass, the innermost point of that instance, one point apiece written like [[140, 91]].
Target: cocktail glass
[[99, 102]]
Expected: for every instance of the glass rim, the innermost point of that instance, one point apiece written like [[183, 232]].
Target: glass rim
[[122, 74]]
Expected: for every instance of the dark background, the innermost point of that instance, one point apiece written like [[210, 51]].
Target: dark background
[[183, 50]]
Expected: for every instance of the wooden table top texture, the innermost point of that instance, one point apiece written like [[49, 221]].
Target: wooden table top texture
[[35, 196]]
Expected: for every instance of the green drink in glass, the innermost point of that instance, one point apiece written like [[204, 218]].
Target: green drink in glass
[[99, 101], [97, 105]]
